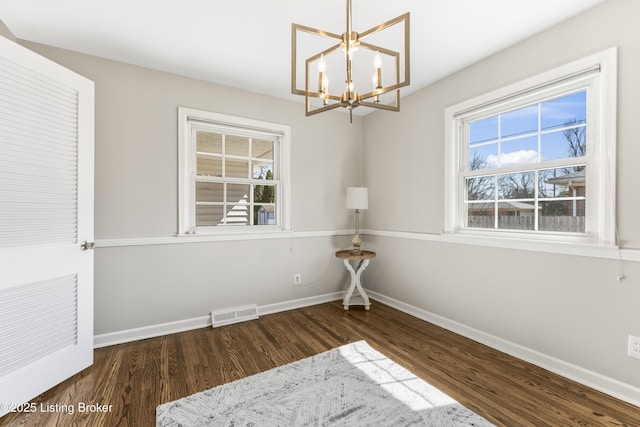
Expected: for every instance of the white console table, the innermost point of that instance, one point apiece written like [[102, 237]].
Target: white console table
[[362, 258]]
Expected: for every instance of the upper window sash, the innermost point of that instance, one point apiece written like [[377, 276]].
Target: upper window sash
[[535, 139]]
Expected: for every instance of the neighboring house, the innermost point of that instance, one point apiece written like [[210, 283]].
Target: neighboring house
[[576, 184]]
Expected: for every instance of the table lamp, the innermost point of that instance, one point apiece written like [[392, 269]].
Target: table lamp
[[357, 198]]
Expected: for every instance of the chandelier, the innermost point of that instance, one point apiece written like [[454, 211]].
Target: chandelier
[[355, 91]]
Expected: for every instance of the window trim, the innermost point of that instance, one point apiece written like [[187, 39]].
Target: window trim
[[601, 70], [186, 173]]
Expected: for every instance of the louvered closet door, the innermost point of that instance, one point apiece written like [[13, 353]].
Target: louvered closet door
[[46, 212]]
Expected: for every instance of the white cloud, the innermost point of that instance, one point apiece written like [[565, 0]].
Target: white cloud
[[514, 158]]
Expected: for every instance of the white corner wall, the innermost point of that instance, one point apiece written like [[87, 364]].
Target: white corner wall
[[565, 312]]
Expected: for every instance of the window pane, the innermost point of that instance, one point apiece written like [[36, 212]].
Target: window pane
[[238, 192], [237, 204], [563, 182], [516, 215], [264, 194], [262, 170], [262, 149], [209, 142], [481, 188], [483, 130], [236, 168], [562, 215], [209, 165], [516, 186], [483, 156], [564, 144], [481, 215], [519, 151], [209, 192], [264, 214], [208, 215], [560, 112], [236, 146], [516, 122]]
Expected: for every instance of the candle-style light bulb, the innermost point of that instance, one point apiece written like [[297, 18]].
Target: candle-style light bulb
[[377, 60], [377, 76], [377, 72], [322, 65]]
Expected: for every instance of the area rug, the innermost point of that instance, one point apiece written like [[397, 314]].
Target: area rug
[[352, 385]]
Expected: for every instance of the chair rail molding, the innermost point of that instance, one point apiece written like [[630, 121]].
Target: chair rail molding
[[198, 238]]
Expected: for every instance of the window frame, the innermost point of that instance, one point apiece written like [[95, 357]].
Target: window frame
[[192, 120], [597, 74]]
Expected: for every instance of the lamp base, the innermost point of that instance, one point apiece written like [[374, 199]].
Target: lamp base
[[357, 243]]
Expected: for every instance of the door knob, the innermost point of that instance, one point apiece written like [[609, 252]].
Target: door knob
[[88, 245]]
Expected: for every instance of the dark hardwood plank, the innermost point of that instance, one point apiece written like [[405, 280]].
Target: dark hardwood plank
[[136, 377]]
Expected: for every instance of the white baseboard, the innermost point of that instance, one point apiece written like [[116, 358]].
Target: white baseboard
[[610, 386], [152, 331], [263, 310]]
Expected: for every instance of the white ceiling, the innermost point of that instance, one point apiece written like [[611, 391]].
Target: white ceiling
[[247, 43]]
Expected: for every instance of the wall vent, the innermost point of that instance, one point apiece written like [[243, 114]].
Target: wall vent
[[234, 315]]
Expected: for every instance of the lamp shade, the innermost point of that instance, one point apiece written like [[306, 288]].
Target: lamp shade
[[357, 198]]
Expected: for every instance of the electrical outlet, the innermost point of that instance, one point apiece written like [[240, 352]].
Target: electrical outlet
[[634, 347], [297, 279]]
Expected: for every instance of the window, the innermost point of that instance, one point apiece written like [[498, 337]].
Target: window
[[233, 172], [536, 160]]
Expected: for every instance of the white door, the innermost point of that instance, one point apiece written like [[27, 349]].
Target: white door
[[46, 212]]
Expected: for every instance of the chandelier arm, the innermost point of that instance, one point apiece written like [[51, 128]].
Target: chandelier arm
[[311, 30], [321, 109], [314, 94], [383, 90], [324, 52], [390, 23], [294, 54], [376, 48], [381, 106]]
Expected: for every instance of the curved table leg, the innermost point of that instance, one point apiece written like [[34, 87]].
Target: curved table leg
[[355, 283]]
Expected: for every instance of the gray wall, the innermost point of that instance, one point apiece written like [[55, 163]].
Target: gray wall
[[136, 198], [566, 307]]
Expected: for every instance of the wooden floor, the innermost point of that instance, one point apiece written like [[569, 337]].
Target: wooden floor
[[136, 377]]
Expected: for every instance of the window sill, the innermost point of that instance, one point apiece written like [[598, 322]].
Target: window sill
[[554, 244], [575, 248]]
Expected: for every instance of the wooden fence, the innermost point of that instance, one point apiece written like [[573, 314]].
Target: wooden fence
[[573, 224]]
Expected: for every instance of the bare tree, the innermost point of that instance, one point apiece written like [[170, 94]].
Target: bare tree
[[576, 141], [517, 186], [482, 187]]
